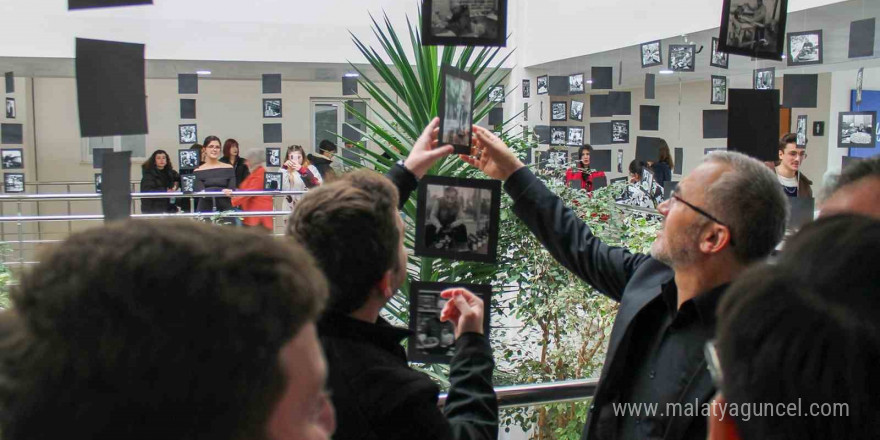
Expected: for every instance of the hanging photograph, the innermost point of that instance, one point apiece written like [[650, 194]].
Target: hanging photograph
[[753, 28], [526, 88], [273, 157], [554, 158], [856, 129], [99, 179], [188, 134], [188, 159], [557, 135], [860, 77], [651, 54], [558, 111], [719, 58], [464, 23], [432, 340], [272, 108], [187, 183], [619, 132], [576, 83], [805, 48], [577, 110], [802, 131], [619, 161], [575, 136], [496, 94], [456, 109], [681, 57], [764, 79], [458, 218], [272, 181], [719, 90], [543, 85], [13, 183], [13, 158], [10, 108]]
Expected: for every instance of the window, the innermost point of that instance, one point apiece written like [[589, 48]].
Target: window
[[330, 117], [136, 143]]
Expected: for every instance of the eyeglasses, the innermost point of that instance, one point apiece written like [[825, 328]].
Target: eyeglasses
[[713, 364], [793, 154], [213, 147], [702, 212]]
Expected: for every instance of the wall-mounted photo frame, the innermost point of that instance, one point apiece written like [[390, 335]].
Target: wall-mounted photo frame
[[272, 108], [652, 54], [188, 159], [682, 57], [764, 79], [13, 158], [10, 108], [187, 183], [496, 94], [819, 128], [13, 183], [719, 90], [432, 340], [619, 132], [273, 157], [466, 23], [801, 131], [805, 48], [543, 84], [272, 181], [99, 180], [456, 109], [577, 110], [554, 158], [188, 133], [458, 218], [574, 136], [559, 111], [753, 30], [576, 84], [558, 135], [718, 59], [857, 129], [526, 88]]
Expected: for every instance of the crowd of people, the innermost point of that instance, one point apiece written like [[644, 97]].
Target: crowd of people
[[187, 330]]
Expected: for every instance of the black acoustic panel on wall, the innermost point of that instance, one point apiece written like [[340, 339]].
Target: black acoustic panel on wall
[[600, 160], [714, 124], [271, 133], [600, 133], [187, 84], [601, 77], [649, 117], [620, 103], [800, 91], [542, 132], [496, 116], [599, 107], [271, 83], [648, 148], [558, 86], [861, 38], [90, 4], [11, 134], [10, 82], [116, 186], [187, 109], [110, 88], [350, 133], [753, 123], [349, 85], [679, 160], [650, 81]]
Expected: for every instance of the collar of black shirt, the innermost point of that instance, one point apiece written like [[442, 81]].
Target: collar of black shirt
[[704, 304], [382, 333]]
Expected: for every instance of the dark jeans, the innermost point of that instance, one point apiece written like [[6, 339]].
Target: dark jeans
[[458, 234]]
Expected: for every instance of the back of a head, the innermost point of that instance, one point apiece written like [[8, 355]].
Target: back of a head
[[868, 168], [255, 157], [144, 330], [805, 331], [326, 145], [856, 190], [350, 227], [637, 167]]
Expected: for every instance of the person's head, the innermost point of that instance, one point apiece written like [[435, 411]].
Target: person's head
[[254, 158], [636, 171], [327, 148], [297, 154], [450, 194], [230, 148], [790, 155], [201, 150], [804, 331], [213, 148], [665, 155], [856, 190], [584, 153], [158, 160], [157, 330], [743, 218], [353, 229]]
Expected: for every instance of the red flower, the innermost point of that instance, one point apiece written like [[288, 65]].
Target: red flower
[[604, 217]]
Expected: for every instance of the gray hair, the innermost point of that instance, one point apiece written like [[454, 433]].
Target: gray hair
[[255, 157], [862, 169], [751, 202]]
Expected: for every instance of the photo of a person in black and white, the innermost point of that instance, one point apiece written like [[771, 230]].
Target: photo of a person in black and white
[[13, 183], [543, 85], [457, 114], [433, 336], [187, 183], [271, 108], [576, 83], [188, 134], [465, 19], [719, 59], [10, 108], [558, 111], [577, 110], [651, 55], [765, 79], [857, 129], [557, 135], [188, 159], [719, 90], [805, 48], [272, 181], [753, 24], [12, 159], [458, 219]]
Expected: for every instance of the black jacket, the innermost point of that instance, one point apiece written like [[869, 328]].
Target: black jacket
[[323, 166], [662, 173], [633, 280], [156, 180], [239, 168]]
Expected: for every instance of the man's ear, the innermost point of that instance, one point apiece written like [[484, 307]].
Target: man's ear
[[384, 286], [715, 239], [721, 425]]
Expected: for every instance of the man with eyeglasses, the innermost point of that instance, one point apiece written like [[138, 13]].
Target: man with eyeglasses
[[791, 157], [726, 214]]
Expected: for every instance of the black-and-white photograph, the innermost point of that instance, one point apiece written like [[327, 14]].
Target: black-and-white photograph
[[496, 94], [554, 159], [576, 83], [188, 134], [619, 161], [456, 109], [272, 181], [558, 111], [801, 131], [10, 108], [187, 183], [557, 135], [682, 57], [273, 157], [652, 55], [99, 179], [577, 110], [188, 159], [619, 132], [719, 90], [575, 136], [13, 183], [764, 79], [860, 77], [805, 48], [272, 108], [464, 22], [433, 340], [13, 158], [753, 28], [458, 218], [856, 129], [718, 58], [526, 88], [543, 85]]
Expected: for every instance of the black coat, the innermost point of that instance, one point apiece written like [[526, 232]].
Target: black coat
[[156, 180], [662, 173], [323, 166], [633, 280], [239, 168]]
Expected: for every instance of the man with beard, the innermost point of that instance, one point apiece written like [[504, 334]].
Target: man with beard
[[447, 220], [729, 212]]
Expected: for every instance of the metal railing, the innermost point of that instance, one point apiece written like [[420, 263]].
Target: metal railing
[[541, 393]]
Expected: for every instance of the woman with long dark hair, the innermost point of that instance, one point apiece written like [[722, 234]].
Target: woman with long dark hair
[[158, 176], [214, 176], [582, 173], [231, 155], [663, 167]]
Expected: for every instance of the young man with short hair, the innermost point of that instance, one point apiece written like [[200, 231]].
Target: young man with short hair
[[788, 168]]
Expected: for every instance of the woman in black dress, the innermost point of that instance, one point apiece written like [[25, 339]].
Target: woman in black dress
[[158, 176], [214, 176]]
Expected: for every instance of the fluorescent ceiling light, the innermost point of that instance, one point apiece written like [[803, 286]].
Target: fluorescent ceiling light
[[203, 72], [589, 81], [351, 75], [666, 72]]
